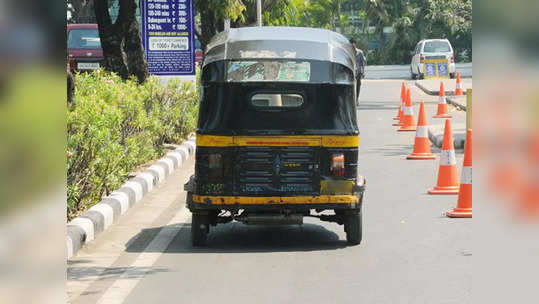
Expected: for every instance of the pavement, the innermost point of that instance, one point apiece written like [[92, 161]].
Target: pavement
[[432, 86], [403, 71], [410, 252]]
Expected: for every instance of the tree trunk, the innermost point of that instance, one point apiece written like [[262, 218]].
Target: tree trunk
[[208, 24], [341, 25], [136, 59], [382, 46], [111, 39], [70, 85], [121, 42]]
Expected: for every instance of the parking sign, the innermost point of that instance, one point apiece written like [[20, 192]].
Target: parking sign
[[168, 36]]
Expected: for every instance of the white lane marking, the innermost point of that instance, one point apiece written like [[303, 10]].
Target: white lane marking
[[85, 224], [122, 198], [160, 172], [122, 287], [69, 243], [107, 212], [466, 177], [148, 178], [135, 186]]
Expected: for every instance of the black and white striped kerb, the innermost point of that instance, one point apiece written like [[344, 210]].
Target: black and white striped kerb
[[99, 217]]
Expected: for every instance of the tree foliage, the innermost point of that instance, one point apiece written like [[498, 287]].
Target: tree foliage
[[411, 20], [425, 19], [113, 126], [82, 11], [211, 15]]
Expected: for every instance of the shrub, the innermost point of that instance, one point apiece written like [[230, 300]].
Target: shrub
[[114, 126]]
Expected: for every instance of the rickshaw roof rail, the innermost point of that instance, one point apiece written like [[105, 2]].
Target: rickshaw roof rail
[[276, 42]]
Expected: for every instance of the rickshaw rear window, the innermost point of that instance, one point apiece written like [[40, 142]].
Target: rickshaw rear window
[[245, 71], [277, 100]]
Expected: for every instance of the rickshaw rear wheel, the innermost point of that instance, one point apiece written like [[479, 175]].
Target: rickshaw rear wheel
[[200, 227], [353, 226]]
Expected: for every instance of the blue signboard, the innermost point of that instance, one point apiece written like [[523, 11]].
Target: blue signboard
[[442, 68], [168, 36], [430, 69]]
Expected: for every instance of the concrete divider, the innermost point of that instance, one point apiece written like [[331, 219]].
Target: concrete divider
[[457, 101], [432, 86], [403, 71], [436, 135]]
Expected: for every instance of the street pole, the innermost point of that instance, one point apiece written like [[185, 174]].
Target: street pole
[[227, 24], [259, 12], [469, 109]]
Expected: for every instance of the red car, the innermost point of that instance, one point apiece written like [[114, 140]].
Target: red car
[[84, 47], [198, 52]]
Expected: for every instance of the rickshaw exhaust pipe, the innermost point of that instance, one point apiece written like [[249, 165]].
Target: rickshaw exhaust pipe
[[271, 219]]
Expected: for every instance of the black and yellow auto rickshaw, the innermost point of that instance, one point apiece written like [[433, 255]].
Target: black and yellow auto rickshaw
[[277, 136]]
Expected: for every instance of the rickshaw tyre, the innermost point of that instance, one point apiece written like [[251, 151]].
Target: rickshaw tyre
[[353, 227], [199, 229]]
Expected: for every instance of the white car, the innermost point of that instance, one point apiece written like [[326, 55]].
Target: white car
[[435, 49]]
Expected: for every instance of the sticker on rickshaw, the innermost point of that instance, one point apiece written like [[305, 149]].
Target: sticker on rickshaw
[[245, 71]]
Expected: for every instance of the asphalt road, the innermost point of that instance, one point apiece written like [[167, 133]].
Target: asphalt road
[[410, 252]]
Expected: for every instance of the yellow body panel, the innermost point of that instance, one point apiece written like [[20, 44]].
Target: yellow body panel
[[279, 141], [277, 200], [333, 187], [214, 141]]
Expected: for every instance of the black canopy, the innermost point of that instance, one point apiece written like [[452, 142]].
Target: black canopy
[[297, 43]]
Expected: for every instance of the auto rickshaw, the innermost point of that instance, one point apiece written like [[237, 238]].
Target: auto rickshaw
[[277, 136]]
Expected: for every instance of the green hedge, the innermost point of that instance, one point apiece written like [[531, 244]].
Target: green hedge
[[114, 126]]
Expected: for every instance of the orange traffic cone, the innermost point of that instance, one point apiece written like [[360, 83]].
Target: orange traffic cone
[[448, 182], [464, 203], [408, 120], [442, 104], [422, 143], [403, 95], [458, 89], [399, 118]]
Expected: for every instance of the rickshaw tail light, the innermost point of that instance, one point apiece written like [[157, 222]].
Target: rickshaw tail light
[[337, 165], [215, 165], [422, 59]]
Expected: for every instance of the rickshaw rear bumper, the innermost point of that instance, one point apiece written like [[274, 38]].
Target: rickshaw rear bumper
[[353, 200]]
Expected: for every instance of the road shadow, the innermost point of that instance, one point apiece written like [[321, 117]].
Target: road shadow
[[239, 238]]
